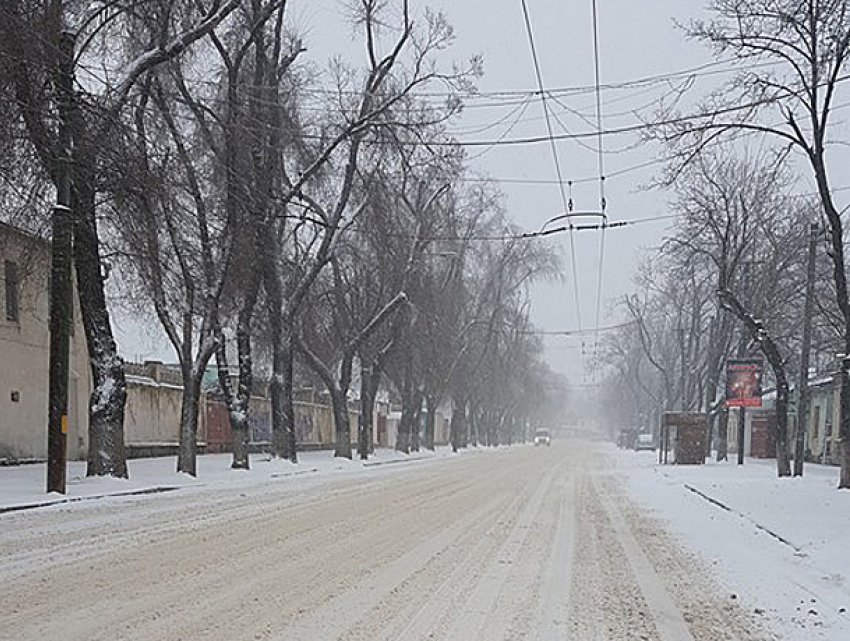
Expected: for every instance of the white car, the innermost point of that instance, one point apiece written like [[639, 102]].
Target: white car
[[541, 437], [645, 442]]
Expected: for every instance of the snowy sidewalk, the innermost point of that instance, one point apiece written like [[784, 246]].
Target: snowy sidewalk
[[780, 545], [22, 487]]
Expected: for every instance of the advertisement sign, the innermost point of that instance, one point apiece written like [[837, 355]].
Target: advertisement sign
[[743, 382]]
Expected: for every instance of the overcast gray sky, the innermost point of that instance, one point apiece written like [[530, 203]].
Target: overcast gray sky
[[637, 39]]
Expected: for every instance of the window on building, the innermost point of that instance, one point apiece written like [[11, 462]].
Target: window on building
[[12, 291]]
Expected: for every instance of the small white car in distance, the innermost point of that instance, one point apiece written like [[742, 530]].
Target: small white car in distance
[[645, 442], [541, 437]]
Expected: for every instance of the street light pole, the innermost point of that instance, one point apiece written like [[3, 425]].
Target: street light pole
[[60, 278], [805, 348]]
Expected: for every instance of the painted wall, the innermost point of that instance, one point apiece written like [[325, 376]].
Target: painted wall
[[153, 414], [822, 428], [24, 356]]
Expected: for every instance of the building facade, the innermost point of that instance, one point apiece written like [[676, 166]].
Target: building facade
[[24, 341], [821, 440]]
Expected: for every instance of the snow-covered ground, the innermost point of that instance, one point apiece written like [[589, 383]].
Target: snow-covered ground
[[23, 486], [579, 541], [780, 546]]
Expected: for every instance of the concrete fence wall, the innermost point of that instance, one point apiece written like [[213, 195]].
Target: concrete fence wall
[[154, 397]]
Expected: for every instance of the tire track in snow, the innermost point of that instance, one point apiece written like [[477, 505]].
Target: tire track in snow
[[469, 556], [585, 618], [475, 611], [205, 581], [669, 623], [36, 541], [554, 611]]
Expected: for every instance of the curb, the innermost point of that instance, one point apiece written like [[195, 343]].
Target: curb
[[398, 460], [161, 489], [743, 516]]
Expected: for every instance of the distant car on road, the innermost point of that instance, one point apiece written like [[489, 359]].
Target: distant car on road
[[626, 438], [542, 437], [645, 442]]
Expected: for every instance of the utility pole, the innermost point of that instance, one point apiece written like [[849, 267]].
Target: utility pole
[[742, 412], [60, 276], [805, 348], [683, 370], [711, 385], [742, 422]]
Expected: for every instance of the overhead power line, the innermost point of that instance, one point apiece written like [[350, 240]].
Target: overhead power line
[[602, 200], [565, 202], [529, 235], [712, 68], [577, 332], [580, 135]]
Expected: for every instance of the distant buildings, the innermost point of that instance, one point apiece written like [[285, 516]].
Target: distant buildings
[[821, 441]]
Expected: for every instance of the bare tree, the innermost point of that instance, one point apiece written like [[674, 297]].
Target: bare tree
[[24, 24], [734, 214], [790, 102], [327, 199]]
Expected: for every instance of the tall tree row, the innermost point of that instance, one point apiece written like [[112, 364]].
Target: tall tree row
[[792, 57], [277, 214], [728, 282]]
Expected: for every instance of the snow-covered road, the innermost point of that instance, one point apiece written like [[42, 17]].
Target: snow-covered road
[[519, 543]]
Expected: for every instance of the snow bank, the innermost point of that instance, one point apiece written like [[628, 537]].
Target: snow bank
[[22, 487], [778, 545]]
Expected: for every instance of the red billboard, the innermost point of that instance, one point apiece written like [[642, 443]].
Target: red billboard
[[743, 382]]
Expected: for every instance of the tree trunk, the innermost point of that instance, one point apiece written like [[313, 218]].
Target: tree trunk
[[430, 420], [713, 377], [281, 390], [240, 428], [405, 425], [106, 454], [474, 426], [465, 432], [188, 451], [402, 442], [239, 423], [237, 403], [839, 274], [415, 426], [723, 435], [109, 393], [408, 436], [771, 352], [415, 421], [239, 419], [374, 385], [782, 463], [290, 449], [341, 423], [457, 427], [710, 421], [805, 349], [283, 353], [278, 444], [511, 423], [367, 410]]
